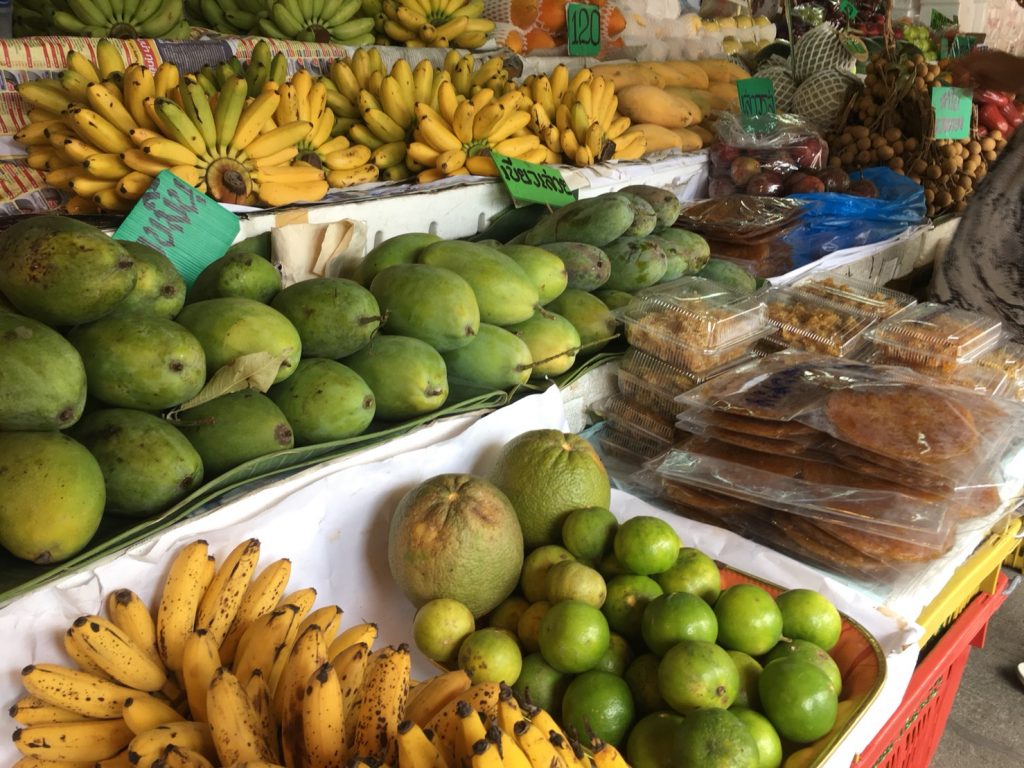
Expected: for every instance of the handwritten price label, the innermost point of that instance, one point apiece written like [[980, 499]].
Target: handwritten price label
[[848, 9], [532, 183], [583, 29], [952, 107]]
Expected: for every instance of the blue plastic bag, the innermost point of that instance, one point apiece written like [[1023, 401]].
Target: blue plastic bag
[[835, 221]]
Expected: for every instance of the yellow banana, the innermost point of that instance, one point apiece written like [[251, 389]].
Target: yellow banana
[[482, 697], [487, 119], [266, 588], [62, 177], [394, 104], [447, 101], [237, 735], [282, 157], [383, 126], [471, 730], [317, 101], [191, 572], [333, 145], [328, 618], [451, 161], [431, 696], [388, 155], [571, 753], [347, 178], [140, 135], [140, 162], [481, 165], [143, 712], [35, 134], [482, 97], [45, 98], [320, 133], [577, 80], [302, 82], [184, 733], [517, 146], [307, 655], [617, 127], [351, 665], [87, 186], [106, 105], [167, 78], [138, 86], [253, 117], [182, 757], [133, 185], [512, 755], [508, 710], [422, 81], [485, 754], [595, 140], [360, 134], [536, 745], [177, 125], [220, 602], [511, 124], [199, 662], [265, 638], [75, 690], [108, 59], [471, 38], [323, 720], [79, 206], [85, 741], [277, 194], [107, 166], [384, 690], [429, 174], [365, 632], [434, 131], [230, 103], [76, 149], [422, 153], [259, 696], [109, 647], [125, 608], [80, 63], [284, 136], [415, 750], [302, 599], [110, 199], [31, 710], [98, 131], [605, 755], [287, 109], [196, 104]]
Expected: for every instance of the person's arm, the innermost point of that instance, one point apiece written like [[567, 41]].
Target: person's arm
[[995, 70]]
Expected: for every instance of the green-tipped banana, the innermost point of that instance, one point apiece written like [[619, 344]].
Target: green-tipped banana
[[117, 18]]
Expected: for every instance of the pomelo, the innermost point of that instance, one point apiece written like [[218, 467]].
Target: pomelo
[[456, 536]]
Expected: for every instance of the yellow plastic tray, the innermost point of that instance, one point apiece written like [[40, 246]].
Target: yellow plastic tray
[[978, 574]]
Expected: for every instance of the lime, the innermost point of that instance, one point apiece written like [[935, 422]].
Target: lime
[[439, 627], [541, 684], [769, 746], [808, 652], [570, 580], [750, 672], [599, 704], [573, 636], [589, 532], [650, 741], [642, 678], [695, 674], [533, 580], [491, 656], [628, 596], [528, 628], [646, 545], [506, 615], [617, 657], [715, 738], [809, 615], [748, 619], [677, 616], [798, 698], [611, 567], [693, 572]]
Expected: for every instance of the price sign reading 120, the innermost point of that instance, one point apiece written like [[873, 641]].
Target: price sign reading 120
[[583, 29]]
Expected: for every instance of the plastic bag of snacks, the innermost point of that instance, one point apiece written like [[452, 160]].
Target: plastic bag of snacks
[[768, 161]]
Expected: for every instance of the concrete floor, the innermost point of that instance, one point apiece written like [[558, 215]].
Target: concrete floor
[[986, 726]]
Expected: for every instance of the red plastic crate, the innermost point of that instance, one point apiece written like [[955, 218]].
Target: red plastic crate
[[912, 734]]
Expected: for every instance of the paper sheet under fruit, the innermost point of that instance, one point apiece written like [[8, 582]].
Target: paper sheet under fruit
[[332, 523]]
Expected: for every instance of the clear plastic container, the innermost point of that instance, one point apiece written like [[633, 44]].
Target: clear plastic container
[[630, 448], [858, 296], [632, 418], [936, 336], [993, 381], [808, 323], [1008, 358], [654, 383]]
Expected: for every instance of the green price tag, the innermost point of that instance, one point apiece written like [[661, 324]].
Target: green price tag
[[952, 107], [944, 48], [182, 223], [532, 183], [757, 103], [847, 8], [940, 20], [962, 45], [583, 29]]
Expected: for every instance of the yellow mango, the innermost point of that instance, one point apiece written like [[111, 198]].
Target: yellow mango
[[726, 95], [626, 74], [691, 140], [706, 136], [657, 137], [685, 74], [702, 98], [650, 104], [722, 70]]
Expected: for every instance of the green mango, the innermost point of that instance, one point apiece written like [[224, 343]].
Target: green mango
[[553, 341], [159, 287], [645, 220], [231, 327], [636, 263], [428, 303], [687, 252], [148, 464], [495, 359], [614, 299], [51, 496], [42, 378], [324, 401], [235, 428], [595, 221], [590, 316], [334, 316], [666, 205], [400, 249], [62, 272], [140, 361], [729, 275], [504, 292], [239, 275], [544, 268], [407, 376], [586, 266]]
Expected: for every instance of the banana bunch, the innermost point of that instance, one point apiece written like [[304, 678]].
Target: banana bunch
[[458, 136], [346, 79], [468, 76], [232, 17], [435, 23], [261, 69], [34, 17], [122, 18], [578, 118], [318, 21]]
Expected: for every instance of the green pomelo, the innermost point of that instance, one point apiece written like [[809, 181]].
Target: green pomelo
[[636, 263], [148, 465], [51, 496], [572, 580], [693, 572], [491, 656], [544, 268], [504, 292], [237, 275], [628, 597], [456, 536], [231, 327], [407, 376], [589, 533], [159, 288], [335, 317], [808, 651], [590, 316], [714, 738], [677, 616], [642, 678], [553, 341], [651, 740], [665, 204], [616, 659], [439, 627], [140, 361], [798, 699], [750, 673], [493, 359], [232, 429], [601, 704], [42, 379], [586, 266], [324, 401], [400, 249], [547, 474], [431, 304], [687, 252], [695, 674], [769, 746], [63, 272], [542, 685]]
